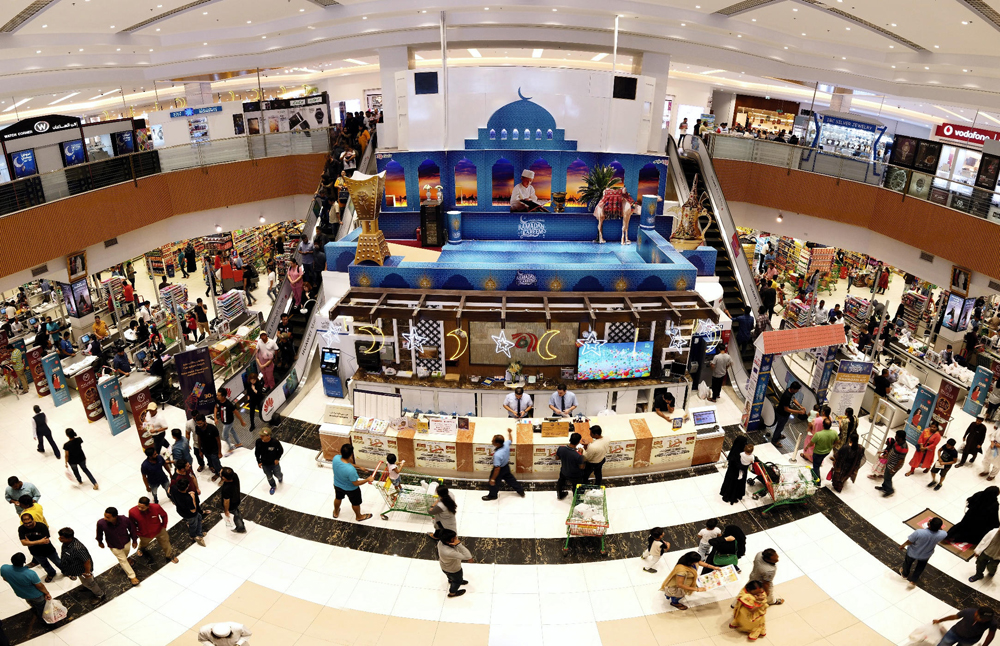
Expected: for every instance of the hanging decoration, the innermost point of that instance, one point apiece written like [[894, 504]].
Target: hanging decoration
[[332, 334], [712, 332], [462, 337], [677, 342], [503, 345], [413, 339], [372, 331], [590, 343], [543, 345]]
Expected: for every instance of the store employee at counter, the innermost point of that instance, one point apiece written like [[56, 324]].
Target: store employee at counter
[[561, 402], [518, 404]]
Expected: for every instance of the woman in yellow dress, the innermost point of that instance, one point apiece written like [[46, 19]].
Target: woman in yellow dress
[[749, 611]]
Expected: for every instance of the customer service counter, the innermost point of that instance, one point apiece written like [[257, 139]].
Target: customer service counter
[[639, 443]]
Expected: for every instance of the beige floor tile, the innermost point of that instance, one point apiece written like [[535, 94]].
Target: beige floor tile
[[732, 637], [705, 641], [791, 630], [188, 638], [675, 628], [633, 632], [267, 633], [800, 593], [828, 617], [714, 617], [413, 632], [307, 640], [292, 613], [858, 635], [252, 599], [345, 627], [449, 634], [225, 613]]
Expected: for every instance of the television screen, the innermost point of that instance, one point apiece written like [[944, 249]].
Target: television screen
[[24, 163], [425, 83], [67, 292], [625, 87], [966, 320], [953, 313], [615, 361], [124, 143], [330, 355], [73, 152]]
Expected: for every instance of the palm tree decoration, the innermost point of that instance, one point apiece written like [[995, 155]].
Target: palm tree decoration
[[597, 180]]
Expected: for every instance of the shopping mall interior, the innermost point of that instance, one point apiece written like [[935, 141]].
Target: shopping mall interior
[[653, 324]]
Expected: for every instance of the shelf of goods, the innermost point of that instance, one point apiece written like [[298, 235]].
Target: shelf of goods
[[173, 299], [220, 243], [113, 287], [154, 263], [232, 354], [199, 246], [914, 305], [167, 326], [821, 258], [231, 305], [802, 264], [797, 314], [856, 313], [248, 245], [292, 229], [281, 261]]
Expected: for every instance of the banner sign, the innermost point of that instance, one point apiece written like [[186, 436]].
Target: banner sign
[[34, 362], [55, 379], [849, 386], [848, 123], [759, 377], [920, 413], [191, 112], [138, 403], [194, 371], [980, 387], [966, 134], [86, 385], [39, 126], [110, 391], [947, 397]]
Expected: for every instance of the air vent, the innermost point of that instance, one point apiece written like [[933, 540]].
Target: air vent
[[110, 243], [739, 7], [38, 271], [325, 3], [995, 286], [165, 14], [926, 256], [25, 15]]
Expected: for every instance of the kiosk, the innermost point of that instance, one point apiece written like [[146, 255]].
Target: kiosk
[[330, 368]]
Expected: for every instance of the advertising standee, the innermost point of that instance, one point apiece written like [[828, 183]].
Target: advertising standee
[[110, 391], [55, 379]]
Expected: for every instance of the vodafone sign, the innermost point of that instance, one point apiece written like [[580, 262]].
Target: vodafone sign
[[965, 134]]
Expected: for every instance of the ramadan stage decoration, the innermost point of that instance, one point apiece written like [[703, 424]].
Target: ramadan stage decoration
[[589, 343], [413, 339], [503, 345], [688, 234]]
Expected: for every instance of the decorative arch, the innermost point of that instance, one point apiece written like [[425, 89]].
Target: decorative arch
[[503, 181], [575, 184], [515, 134], [543, 180], [428, 173], [466, 188], [548, 134], [527, 134], [395, 184], [503, 134], [619, 171], [493, 134], [649, 181], [538, 134]]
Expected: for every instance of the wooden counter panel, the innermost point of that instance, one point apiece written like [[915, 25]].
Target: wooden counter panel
[[404, 446], [707, 451], [330, 445], [464, 450], [525, 440]]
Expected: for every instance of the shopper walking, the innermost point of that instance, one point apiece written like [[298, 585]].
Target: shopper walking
[[16, 489], [684, 579], [571, 466], [155, 422], [750, 609], [155, 474], [255, 397], [210, 444], [848, 461], [981, 515], [683, 130], [734, 483], [75, 459], [226, 413], [974, 438], [451, 553], [230, 492], [894, 455], [42, 432], [729, 548], [987, 555], [346, 482], [25, 583], [294, 276], [822, 444], [991, 453], [595, 453], [947, 458], [501, 467], [151, 524], [765, 567], [919, 546], [266, 351], [269, 452], [443, 512], [180, 451], [191, 435], [972, 625], [720, 366], [118, 531], [656, 546], [77, 562], [188, 506], [787, 406], [38, 540], [924, 454]]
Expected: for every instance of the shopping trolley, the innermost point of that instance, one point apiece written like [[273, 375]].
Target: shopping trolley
[[785, 483], [411, 499], [588, 524]]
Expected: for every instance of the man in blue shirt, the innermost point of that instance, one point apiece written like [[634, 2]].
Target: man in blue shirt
[[25, 583], [562, 403], [66, 348], [120, 363], [501, 467], [919, 546], [155, 473], [346, 482]]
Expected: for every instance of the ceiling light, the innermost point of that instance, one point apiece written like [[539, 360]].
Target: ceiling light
[[739, 35], [64, 98], [697, 6], [753, 20], [249, 22], [157, 29], [475, 53], [555, 9], [150, 50], [926, 68], [39, 51], [486, 8], [204, 13], [843, 58], [786, 48], [683, 24], [81, 49], [599, 57], [119, 49], [262, 220], [364, 17], [847, 28], [892, 47], [112, 26], [218, 229], [355, 61], [965, 22], [893, 24], [803, 33], [965, 70], [418, 57], [893, 67], [779, 217], [44, 26], [18, 104], [301, 10], [204, 43], [536, 53], [794, 9]]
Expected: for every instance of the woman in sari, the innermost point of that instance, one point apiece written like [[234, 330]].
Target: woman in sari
[[980, 517], [926, 446], [848, 461], [683, 579], [816, 427], [848, 427], [734, 485], [749, 611], [295, 279]]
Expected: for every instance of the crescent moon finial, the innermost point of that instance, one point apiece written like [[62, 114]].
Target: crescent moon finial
[[525, 98]]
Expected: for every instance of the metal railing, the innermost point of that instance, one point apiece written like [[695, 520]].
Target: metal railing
[[39, 189], [958, 195]]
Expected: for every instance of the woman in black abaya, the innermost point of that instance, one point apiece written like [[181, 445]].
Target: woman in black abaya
[[734, 484], [980, 517]]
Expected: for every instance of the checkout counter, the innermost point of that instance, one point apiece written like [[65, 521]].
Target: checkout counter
[[639, 443]]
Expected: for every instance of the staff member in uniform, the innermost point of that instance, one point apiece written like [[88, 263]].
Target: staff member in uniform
[[561, 402], [501, 467], [524, 191], [518, 404]]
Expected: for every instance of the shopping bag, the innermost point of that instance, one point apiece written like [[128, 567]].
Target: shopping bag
[[54, 611], [229, 522], [704, 391], [926, 634], [69, 475]]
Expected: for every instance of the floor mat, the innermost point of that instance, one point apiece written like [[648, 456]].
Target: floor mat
[[961, 550]]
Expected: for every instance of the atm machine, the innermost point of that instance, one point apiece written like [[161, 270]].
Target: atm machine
[[330, 368]]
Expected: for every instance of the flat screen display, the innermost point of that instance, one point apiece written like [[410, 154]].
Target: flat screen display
[[73, 152], [425, 83], [966, 320], [615, 361], [124, 142], [81, 294], [953, 313], [703, 418], [330, 356], [24, 163], [625, 87], [67, 292]]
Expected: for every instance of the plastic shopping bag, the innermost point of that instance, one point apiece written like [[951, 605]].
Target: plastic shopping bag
[[704, 391], [926, 634], [54, 611], [69, 475]]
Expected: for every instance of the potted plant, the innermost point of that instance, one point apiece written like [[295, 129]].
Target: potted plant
[[596, 181]]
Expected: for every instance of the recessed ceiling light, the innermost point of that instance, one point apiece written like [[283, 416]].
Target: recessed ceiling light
[[739, 35], [697, 6], [536, 53], [803, 33], [150, 50], [926, 68], [44, 26], [475, 53], [301, 10], [843, 58], [893, 24], [486, 8], [937, 47], [965, 70], [81, 49], [119, 49], [683, 24], [157, 29], [892, 47], [364, 17], [263, 37], [249, 22], [39, 52], [753, 20], [204, 13], [893, 67], [112, 26], [554, 9], [355, 61], [847, 28], [794, 9], [786, 47]]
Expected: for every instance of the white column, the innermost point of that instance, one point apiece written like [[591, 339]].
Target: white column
[[390, 61], [658, 67]]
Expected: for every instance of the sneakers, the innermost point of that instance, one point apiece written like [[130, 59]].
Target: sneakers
[[937, 487], [456, 594], [975, 577], [888, 494], [272, 490], [489, 497], [649, 569], [281, 479], [931, 483]]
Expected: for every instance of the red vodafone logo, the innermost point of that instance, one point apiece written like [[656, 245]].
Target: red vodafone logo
[[966, 134], [948, 130]]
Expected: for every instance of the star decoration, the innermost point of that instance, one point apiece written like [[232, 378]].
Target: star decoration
[[332, 334], [413, 339], [712, 333], [590, 343], [503, 345], [677, 342]]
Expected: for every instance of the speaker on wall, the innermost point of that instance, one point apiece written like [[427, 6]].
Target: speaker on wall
[[625, 87], [425, 82]]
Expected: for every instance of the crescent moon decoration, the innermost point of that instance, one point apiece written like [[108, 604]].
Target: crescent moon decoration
[[371, 331], [525, 98], [462, 337], [543, 345]]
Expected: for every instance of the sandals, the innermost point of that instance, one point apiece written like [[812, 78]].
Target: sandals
[[364, 517], [679, 606], [777, 602]]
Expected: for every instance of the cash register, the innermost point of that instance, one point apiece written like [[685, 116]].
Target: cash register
[[330, 368]]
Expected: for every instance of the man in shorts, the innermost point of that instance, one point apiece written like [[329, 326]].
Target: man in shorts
[[346, 483]]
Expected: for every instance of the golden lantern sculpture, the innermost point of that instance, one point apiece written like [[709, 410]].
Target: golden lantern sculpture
[[367, 193]]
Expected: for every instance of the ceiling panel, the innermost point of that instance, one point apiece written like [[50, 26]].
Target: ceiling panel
[[818, 24], [935, 23], [231, 13], [10, 8], [95, 16]]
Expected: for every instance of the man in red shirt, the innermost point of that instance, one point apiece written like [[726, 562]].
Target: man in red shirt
[[129, 296], [151, 524]]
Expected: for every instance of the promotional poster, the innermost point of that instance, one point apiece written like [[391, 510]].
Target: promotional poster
[[56, 379], [977, 391], [849, 386], [194, 371], [34, 363], [947, 397], [86, 385], [138, 403], [110, 391], [920, 413]]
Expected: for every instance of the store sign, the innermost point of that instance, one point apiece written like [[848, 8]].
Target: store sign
[[284, 104], [849, 123], [966, 134], [190, 112], [38, 126]]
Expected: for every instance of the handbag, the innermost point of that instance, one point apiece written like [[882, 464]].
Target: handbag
[[725, 559], [69, 475]]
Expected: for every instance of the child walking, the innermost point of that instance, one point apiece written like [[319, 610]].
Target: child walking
[[655, 547], [395, 471], [712, 530]]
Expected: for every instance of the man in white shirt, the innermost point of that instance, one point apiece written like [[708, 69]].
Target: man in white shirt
[[561, 402], [720, 365], [224, 633], [518, 404], [523, 191], [144, 313], [156, 424], [271, 289]]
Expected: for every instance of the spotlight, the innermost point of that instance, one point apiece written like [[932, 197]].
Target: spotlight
[[780, 218], [218, 229], [262, 220]]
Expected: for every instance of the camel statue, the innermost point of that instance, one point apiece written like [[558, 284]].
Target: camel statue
[[616, 204]]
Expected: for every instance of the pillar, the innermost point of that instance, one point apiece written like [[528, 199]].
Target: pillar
[[390, 61], [724, 106], [840, 100], [198, 94], [657, 66]]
